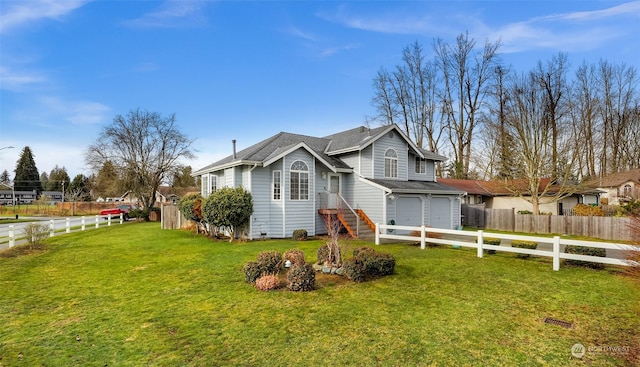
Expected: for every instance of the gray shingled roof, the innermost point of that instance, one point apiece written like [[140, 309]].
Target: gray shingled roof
[[426, 187], [326, 148], [275, 145]]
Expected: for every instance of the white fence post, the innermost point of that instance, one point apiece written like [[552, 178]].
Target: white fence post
[[68, 225], [556, 253], [12, 238], [108, 220], [377, 234], [423, 235], [97, 221], [83, 223], [51, 229], [121, 218], [480, 241]]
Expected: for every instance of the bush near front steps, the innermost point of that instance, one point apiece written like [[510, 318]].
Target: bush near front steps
[[367, 263]]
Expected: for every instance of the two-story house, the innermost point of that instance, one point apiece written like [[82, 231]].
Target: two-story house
[[376, 175]]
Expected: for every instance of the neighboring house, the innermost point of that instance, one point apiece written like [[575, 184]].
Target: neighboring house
[[618, 188], [500, 194], [7, 197], [377, 175], [164, 195], [53, 196]]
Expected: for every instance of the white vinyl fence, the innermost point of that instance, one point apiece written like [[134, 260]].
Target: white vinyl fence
[[14, 233], [547, 246]]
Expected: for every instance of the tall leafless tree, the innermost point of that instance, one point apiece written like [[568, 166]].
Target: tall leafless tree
[[408, 96], [466, 73], [145, 147]]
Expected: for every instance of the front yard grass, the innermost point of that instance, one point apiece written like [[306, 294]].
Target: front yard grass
[[137, 295]]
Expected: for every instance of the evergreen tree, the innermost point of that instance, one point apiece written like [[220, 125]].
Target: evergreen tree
[[44, 180], [79, 189], [183, 178], [57, 177], [4, 178], [27, 177], [107, 182]]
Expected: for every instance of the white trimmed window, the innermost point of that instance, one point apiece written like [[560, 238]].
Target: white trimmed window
[[299, 181], [390, 163], [421, 165], [277, 185], [214, 183], [205, 185]]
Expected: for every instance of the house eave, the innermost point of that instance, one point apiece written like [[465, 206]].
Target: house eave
[[225, 166]]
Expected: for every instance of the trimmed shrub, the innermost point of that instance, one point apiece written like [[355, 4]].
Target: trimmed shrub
[[524, 244], [300, 235], [379, 264], [295, 255], [588, 251], [271, 261], [354, 270], [491, 241], [588, 210], [301, 278], [268, 282], [323, 254], [363, 251], [252, 271]]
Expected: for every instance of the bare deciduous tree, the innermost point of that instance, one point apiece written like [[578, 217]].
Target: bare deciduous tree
[[145, 147], [465, 74]]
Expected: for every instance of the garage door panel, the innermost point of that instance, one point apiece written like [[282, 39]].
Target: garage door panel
[[440, 214]]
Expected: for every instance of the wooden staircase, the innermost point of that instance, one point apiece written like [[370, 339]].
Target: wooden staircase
[[349, 221]]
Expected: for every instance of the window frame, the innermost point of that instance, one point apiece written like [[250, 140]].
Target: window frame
[[299, 181], [421, 166], [390, 163], [276, 186]]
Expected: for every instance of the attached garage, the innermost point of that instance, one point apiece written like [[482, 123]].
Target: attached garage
[[409, 211], [440, 212]]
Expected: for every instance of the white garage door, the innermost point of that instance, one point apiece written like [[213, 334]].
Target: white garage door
[[409, 211], [440, 213]]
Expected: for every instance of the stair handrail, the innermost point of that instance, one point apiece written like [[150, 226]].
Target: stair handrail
[[352, 211]]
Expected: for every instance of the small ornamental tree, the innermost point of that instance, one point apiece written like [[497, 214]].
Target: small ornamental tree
[[191, 207], [228, 209]]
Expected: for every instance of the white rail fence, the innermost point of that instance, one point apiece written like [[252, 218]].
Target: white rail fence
[[15, 232], [475, 239]]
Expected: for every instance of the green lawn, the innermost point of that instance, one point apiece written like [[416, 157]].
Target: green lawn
[[136, 295]]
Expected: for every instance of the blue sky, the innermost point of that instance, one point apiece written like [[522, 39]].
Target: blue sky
[[247, 70]]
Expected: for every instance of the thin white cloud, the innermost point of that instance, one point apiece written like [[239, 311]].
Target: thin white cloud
[[582, 30], [75, 112], [171, 14], [22, 13], [18, 80]]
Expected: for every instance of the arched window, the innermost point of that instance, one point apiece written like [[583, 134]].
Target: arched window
[[299, 181], [390, 163], [626, 191]]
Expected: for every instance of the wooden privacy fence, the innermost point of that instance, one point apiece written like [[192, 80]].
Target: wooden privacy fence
[[607, 228], [554, 245], [170, 217]]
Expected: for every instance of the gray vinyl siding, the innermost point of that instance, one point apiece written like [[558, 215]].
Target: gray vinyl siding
[[366, 162], [275, 218], [299, 214], [260, 193], [400, 146], [229, 178], [321, 187], [429, 175], [368, 198]]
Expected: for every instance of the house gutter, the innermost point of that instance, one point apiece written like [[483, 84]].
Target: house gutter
[[250, 189]]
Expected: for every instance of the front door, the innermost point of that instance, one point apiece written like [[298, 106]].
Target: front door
[[334, 189]]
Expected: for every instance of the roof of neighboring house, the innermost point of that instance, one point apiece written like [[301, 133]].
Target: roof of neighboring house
[[506, 187], [616, 179], [325, 149], [471, 187], [417, 187]]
